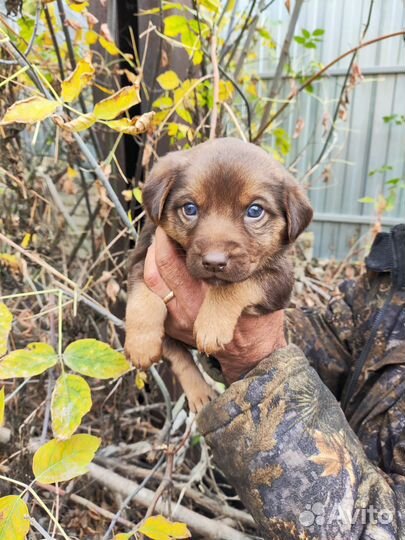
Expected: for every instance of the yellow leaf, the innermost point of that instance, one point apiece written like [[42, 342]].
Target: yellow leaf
[[6, 319], [2, 406], [173, 129], [78, 7], [198, 57], [71, 400], [140, 379], [135, 126], [72, 173], [14, 518], [159, 528], [26, 241], [211, 5], [164, 102], [57, 461], [33, 360], [77, 80], [91, 37], [109, 108], [94, 358], [109, 46], [123, 536], [122, 125], [169, 80], [175, 25], [226, 90], [11, 261], [30, 110], [80, 123]]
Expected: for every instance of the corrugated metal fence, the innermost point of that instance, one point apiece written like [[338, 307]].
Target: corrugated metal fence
[[363, 142]]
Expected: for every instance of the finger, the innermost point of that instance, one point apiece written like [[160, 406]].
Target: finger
[[151, 273], [171, 265]]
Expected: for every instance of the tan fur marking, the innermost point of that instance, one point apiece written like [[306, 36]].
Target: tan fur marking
[[144, 321], [198, 392], [220, 311]]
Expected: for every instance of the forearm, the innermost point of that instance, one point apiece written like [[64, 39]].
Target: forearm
[[282, 440], [317, 334]]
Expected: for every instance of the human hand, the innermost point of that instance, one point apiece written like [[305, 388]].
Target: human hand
[[255, 337]]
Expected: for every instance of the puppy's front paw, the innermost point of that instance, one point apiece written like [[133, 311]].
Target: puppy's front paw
[[198, 396], [143, 350], [212, 335]]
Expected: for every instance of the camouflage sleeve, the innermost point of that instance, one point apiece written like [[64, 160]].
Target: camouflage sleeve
[[283, 442], [325, 336]]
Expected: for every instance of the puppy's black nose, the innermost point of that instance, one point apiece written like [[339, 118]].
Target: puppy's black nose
[[215, 261]]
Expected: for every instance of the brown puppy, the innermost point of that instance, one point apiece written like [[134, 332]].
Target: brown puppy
[[234, 211]]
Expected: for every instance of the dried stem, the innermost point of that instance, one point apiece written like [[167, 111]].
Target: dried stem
[[215, 72]]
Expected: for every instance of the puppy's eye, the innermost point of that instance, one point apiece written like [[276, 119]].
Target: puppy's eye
[[255, 211], [190, 210]]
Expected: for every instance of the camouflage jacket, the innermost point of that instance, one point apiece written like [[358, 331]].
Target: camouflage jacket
[[304, 468]]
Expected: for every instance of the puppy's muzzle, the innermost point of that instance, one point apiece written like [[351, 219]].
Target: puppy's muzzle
[[215, 261], [223, 263]]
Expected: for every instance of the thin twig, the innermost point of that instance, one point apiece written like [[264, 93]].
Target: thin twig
[[318, 74], [275, 85], [207, 528], [33, 36], [86, 503], [215, 73], [342, 92], [130, 496]]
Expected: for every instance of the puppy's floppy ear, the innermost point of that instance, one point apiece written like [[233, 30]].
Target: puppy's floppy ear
[[298, 210], [160, 182]]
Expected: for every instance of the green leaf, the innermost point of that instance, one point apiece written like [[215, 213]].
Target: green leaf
[[265, 34], [6, 319], [175, 25], [382, 169], [14, 518], [396, 118], [310, 45], [169, 80], [367, 200], [95, 359], [391, 200], [299, 39], [306, 33], [58, 461], [393, 182], [137, 192], [185, 115], [163, 102], [318, 32], [388, 119], [71, 400], [34, 360], [160, 528]]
